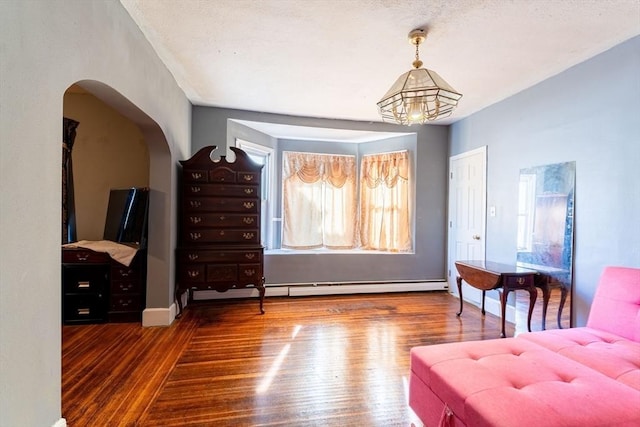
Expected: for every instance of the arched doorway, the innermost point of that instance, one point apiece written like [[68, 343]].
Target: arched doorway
[[159, 309]]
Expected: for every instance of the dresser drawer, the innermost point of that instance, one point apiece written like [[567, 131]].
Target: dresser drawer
[[125, 303], [221, 205], [191, 273], [220, 256], [122, 272], [84, 308], [221, 236], [85, 279], [196, 175], [221, 190], [248, 177], [222, 174], [84, 256], [222, 272], [196, 220], [249, 273], [125, 287]]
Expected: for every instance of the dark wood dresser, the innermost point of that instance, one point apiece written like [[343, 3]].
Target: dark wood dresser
[[97, 289], [219, 242]]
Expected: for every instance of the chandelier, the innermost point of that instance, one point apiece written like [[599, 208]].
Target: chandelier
[[419, 95]]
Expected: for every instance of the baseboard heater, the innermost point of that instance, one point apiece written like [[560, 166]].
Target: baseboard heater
[[308, 289]]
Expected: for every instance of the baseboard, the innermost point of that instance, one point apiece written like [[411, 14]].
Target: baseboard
[[297, 290], [363, 288], [60, 423], [159, 316]]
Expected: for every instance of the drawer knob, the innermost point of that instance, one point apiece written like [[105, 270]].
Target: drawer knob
[[248, 190], [196, 175], [195, 219], [249, 272], [195, 203], [247, 220], [195, 236], [193, 273], [84, 311], [82, 256], [248, 177], [84, 284], [248, 205], [248, 236], [520, 280], [249, 255], [195, 189], [192, 257]]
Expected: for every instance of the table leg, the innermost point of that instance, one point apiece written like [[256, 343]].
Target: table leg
[[533, 295], [563, 298], [546, 294], [178, 298], [483, 295], [261, 291], [503, 308], [459, 282]]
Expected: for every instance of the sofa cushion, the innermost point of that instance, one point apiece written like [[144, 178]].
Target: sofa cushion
[[517, 382], [609, 354], [616, 304]]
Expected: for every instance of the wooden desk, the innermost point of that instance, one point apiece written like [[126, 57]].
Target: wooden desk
[[487, 275]]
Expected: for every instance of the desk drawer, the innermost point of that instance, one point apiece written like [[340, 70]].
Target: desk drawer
[[519, 281]]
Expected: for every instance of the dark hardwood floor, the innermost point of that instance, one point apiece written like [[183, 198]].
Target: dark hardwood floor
[[309, 361]]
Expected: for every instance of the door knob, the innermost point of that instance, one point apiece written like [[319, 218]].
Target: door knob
[[476, 237]]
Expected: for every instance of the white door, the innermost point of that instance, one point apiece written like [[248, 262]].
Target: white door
[[467, 214]]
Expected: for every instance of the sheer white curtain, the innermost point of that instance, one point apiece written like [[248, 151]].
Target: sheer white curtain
[[385, 222], [319, 201]]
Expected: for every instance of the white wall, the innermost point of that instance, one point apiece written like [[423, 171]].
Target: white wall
[[46, 46], [589, 114]]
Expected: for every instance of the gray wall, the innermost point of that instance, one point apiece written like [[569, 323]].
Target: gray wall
[[209, 127], [589, 114], [46, 46]]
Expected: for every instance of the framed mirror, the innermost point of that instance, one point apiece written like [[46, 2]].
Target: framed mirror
[[545, 240]]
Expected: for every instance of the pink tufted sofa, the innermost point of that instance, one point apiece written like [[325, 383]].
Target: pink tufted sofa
[[587, 376]]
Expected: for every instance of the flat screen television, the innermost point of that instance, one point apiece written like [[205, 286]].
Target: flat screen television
[[127, 215]]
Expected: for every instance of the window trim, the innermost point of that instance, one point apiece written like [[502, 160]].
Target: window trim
[[268, 187]]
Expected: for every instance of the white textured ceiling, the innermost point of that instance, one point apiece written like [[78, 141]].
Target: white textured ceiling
[[336, 58]]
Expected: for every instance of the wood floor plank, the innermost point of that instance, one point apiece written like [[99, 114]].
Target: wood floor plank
[[313, 361]]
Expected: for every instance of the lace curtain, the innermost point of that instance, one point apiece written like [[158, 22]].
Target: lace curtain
[[385, 222], [319, 201]]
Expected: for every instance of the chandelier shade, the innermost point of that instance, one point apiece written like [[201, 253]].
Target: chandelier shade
[[419, 95]]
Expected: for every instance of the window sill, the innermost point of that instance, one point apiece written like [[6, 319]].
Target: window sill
[[323, 251]]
